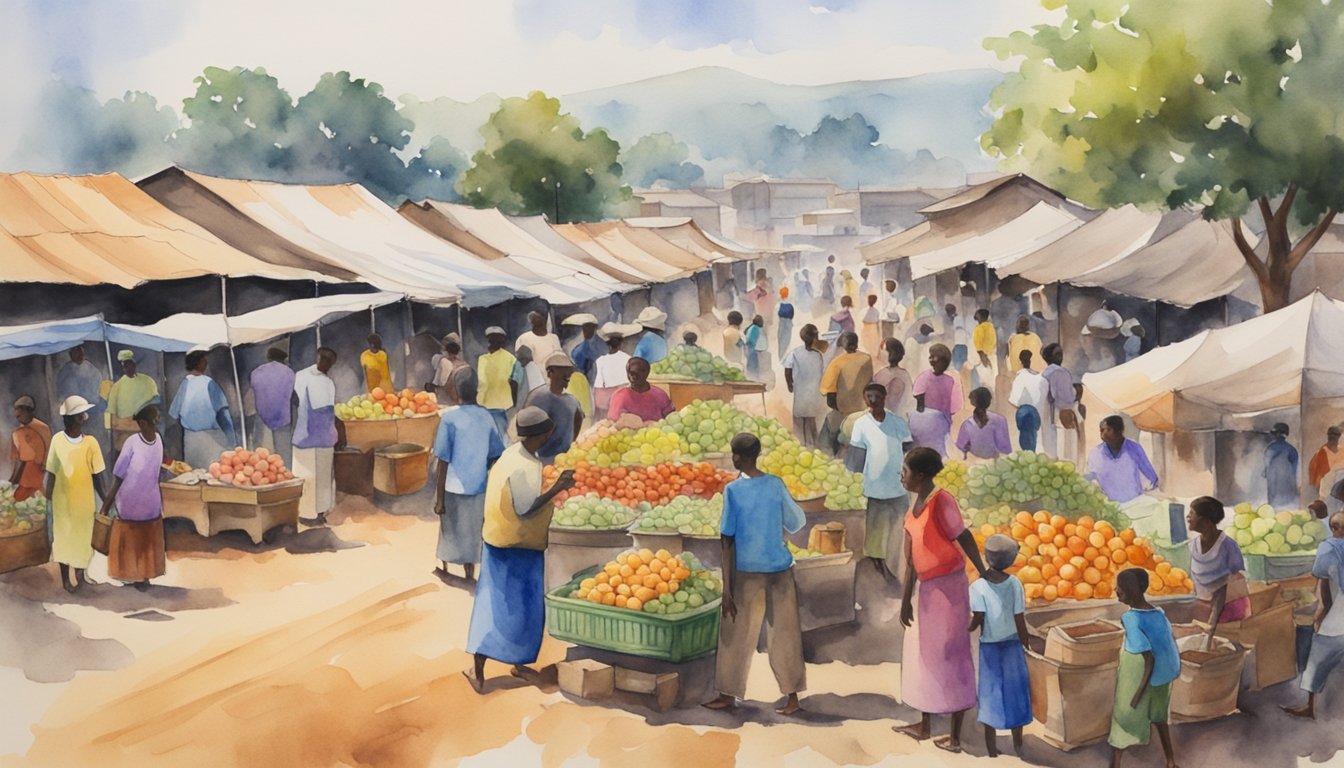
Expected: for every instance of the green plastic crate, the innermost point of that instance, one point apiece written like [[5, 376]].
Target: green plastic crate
[[675, 638], [1278, 567]]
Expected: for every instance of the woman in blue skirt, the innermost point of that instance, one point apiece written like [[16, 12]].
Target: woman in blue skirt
[[998, 606]]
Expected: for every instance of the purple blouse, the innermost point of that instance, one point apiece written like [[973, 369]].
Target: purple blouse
[[987, 442], [138, 466]]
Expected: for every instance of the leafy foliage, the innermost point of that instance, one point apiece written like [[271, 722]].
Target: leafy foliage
[[659, 157]]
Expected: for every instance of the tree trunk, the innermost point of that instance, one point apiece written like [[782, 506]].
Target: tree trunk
[[1274, 273]]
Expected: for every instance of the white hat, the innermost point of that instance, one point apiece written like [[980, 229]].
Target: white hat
[[495, 330], [532, 421], [74, 405], [125, 355], [616, 329], [558, 359], [652, 317], [582, 318]]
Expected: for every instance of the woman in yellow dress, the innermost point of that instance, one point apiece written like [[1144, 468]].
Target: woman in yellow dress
[[74, 468]]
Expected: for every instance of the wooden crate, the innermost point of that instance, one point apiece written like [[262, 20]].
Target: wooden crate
[[186, 502], [22, 549], [683, 393], [371, 434], [419, 430], [400, 469], [252, 510]]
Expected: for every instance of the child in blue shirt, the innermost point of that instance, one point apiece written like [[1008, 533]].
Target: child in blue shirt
[[998, 610], [1149, 661]]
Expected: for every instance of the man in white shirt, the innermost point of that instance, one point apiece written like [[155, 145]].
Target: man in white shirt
[[539, 340], [802, 375], [1030, 395], [893, 311], [609, 369]]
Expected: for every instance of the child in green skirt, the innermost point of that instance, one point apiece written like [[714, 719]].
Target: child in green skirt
[[1149, 661]]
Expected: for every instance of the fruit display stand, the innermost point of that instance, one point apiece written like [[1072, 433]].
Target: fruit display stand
[[1278, 567], [741, 388], [22, 548], [183, 498], [668, 637], [400, 469], [254, 510], [370, 434], [569, 549], [420, 429], [683, 392]]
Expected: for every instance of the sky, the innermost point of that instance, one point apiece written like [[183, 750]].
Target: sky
[[465, 49]]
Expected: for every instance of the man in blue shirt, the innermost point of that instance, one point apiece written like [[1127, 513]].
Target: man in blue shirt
[[202, 410], [590, 346], [1281, 470], [758, 578], [877, 448], [1120, 465], [465, 446], [652, 346]]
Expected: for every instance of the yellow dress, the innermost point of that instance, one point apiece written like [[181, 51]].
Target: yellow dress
[[376, 373], [579, 388], [73, 504]]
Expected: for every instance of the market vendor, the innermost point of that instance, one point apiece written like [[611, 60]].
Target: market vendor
[[758, 581], [202, 410], [652, 345], [508, 615], [317, 434], [272, 388], [28, 449], [1120, 465], [1326, 462], [465, 445], [130, 393], [877, 446], [74, 473], [561, 407], [1216, 565], [373, 361], [640, 397], [499, 377], [610, 373]]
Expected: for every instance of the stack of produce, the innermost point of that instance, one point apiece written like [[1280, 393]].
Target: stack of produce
[[1079, 559], [1266, 532], [658, 484], [695, 364], [801, 553], [685, 515], [1028, 480], [612, 447], [21, 516], [250, 468], [652, 582], [591, 512], [380, 404], [177, 467]]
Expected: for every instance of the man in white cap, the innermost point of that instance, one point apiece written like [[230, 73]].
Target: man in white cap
[[652, 346], [80, 377], [509, 614], [584, 353], [201, 408], [560, 406], [498, 378], [28, 449], [130, 393], [539, 339], [609, 369]]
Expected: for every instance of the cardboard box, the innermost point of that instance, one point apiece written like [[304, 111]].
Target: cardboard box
[[1272, 639], [664, 688], [1210, 678], [1073, 703], [586, 678], [1085, 643]]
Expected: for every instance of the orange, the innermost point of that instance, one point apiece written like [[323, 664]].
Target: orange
[[1041, 517], [632, 559], [1091, 576], [1048, 570], [1090, 554], [1032, 541], [1127, 536], [987, 530], [1119, 556], [1103, 590], [1060, 540], [1174, 578], [1029, 575], [1135, 555], [1097, 539], [1163, 567], [623, 590], [681, 574], [620, 601], [1034, 591], [1102, 563], [1019, 531], [1064, 588], [1077, 545], [1058, 522], [642, 570], [1036, 561], [1069, 572], [626, 571], [1071, 530], [673, 585], [1115, 544], [1046, 531], [612, 569], [1087, 521], [1078, 562], [662, 588], [1082, 592], [1024, 519], [644, 594], [1050, 593], [378, 393], [652, 581], [624, 559], [665, 574], [608, 598], [664, 555], [645, 555], [634, 604], [1048, 550]]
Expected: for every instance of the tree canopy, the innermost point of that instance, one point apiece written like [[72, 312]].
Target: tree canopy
[[1172, 103], [539, 160]]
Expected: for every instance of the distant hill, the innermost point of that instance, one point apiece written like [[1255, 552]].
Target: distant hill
[[727, 117]]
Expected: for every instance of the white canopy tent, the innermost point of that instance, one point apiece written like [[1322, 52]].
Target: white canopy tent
[[1038, 227]]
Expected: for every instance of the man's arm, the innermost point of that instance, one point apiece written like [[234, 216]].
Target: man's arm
[[1145, 466]]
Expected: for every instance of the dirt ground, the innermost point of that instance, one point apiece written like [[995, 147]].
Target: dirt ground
[[338, 646]]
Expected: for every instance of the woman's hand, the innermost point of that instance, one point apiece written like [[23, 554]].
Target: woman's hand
[[907, 614]]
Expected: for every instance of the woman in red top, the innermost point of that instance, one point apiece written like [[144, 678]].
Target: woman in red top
[[937, 673]]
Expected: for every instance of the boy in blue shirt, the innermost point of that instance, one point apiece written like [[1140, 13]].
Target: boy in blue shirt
[[758, 578], [1149, 661]]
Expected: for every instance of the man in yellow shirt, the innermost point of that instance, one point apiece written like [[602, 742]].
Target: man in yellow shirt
[[498, 376], [374, 362], [127, 396], [508, 615], [846, 376], [1023, 339], [985, 342]]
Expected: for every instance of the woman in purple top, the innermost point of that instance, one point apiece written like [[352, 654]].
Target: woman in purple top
[[135, 553], [985, 434], [938, 392]]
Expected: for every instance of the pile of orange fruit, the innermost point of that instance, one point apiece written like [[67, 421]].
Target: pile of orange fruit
[[1079, 559], [657, 484], [404, 403], [634, 579]]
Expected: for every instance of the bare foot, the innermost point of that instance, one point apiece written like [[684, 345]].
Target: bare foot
[[525, 673], [70, 587], [476, 684], [790, 706], [1305, 712], [721, 702], [946, 744], [915, 731]]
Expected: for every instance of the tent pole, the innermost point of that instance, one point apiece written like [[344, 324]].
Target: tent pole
[[238, 388], [409, 322]]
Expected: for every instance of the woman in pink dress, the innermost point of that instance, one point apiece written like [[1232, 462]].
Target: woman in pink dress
[[937, 672], [136, 550]]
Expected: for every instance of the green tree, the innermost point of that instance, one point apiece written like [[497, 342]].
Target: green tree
[[435, 170], [1172, 103], [660, 157], [239, 125], [539, 160], [345, 129], [70, 131]]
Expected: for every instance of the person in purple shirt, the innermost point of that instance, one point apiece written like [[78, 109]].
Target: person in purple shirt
[[1119, 465], [940, 392], [317, 435], [1059, 428], [985, 434], [136, 547], [272, 390]]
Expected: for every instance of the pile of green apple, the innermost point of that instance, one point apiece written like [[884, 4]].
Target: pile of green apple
[[695, 363], [685, 515], [1026, 478], [21, 516], [1266, 532], [591, 512]]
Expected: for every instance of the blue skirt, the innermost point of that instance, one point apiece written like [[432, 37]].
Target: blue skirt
[[1028, 425], [1004, 691], [509, 613]]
